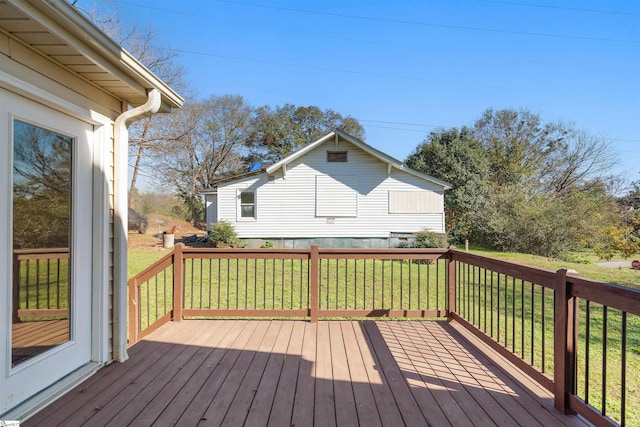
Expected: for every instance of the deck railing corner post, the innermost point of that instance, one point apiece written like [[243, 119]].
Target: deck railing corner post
[[178, 281], [314, 282], [134, 314], [564, 342]]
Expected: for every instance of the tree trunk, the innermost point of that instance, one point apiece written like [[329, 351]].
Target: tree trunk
[[136, 168]]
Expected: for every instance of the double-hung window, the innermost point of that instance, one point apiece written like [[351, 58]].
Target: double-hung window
[[247, 204]]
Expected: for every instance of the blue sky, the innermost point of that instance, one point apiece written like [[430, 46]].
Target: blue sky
[[406, 68]]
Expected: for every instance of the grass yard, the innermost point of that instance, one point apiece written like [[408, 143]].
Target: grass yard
[[584, 263], [43, 284]]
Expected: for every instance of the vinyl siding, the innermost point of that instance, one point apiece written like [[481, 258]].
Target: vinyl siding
[[31, 67], [286, 206]]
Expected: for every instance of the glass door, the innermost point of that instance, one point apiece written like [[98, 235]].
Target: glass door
[[50, 249]]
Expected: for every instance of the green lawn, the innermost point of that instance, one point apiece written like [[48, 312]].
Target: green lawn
[[44, 284], [585, 266]]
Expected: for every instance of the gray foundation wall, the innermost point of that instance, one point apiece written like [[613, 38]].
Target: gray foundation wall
[[332, 242]]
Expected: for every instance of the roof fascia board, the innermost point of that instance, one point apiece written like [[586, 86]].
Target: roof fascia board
[[225, 181], [68, 24], [443, 184]]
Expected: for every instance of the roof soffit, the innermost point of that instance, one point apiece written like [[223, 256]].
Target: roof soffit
[[56, 30]]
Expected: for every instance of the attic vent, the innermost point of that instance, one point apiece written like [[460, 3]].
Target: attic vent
[[337, 156]]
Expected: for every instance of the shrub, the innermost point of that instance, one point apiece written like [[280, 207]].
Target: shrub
[[429, 239], [268, 244], [223, 235]]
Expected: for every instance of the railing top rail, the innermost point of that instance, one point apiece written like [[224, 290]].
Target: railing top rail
[[536, 275], [260, 252], [153, 269], [40, 250], [41, 253], [382, 253], [613, 296], [273, 253]]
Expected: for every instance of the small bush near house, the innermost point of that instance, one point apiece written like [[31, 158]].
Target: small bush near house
[[429, 239], [268, 244], [223, 235]]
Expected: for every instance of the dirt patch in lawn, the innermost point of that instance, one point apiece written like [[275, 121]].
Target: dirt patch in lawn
[[159, 224]]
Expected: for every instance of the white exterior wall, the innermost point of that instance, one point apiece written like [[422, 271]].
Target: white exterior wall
[[286, 207], [211, 209]]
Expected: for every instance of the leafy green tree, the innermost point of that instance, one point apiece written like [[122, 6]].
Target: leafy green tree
[[521, 184], [517, 144], [454, 156], [632, 198], [284, 130]]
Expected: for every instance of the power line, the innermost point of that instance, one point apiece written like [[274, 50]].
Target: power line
[[445, 127], [367, 73], [545, 6], [428, 24], [388, 20]]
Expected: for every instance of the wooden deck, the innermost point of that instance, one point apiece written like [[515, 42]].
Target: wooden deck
[[296, 373], [32, 338]]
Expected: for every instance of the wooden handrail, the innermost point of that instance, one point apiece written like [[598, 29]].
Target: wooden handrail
[[540, 276], [613, 296]]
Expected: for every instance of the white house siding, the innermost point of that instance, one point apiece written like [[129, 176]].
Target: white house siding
[[211, 206], [286, 206]]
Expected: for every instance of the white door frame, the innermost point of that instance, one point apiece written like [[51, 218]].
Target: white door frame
[[102, 148]]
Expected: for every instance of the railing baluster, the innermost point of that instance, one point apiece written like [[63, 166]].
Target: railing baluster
[[506, 311], [623, 369], [393, 285], [491, 311], [522, 318], [513, 314], [603, 410], [543, 329], [533, 316], [586, 350]]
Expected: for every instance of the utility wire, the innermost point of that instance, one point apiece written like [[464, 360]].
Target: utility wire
[[388, 20], [369, 74], [545, 6], [429, 24]]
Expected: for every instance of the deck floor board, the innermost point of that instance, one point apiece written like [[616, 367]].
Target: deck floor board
[[285, 372]]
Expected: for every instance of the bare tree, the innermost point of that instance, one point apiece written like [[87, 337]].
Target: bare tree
[[212, 139], [145, 134], [583, 158]]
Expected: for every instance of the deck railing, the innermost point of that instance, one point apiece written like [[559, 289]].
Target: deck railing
[[578, 338], [40, 283]]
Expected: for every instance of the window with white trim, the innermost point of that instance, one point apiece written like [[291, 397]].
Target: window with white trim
[[247, 204]]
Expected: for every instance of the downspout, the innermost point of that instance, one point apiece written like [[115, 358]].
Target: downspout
[[120, 217]]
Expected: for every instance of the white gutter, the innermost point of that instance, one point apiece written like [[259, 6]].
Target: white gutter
[[120, 207]]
